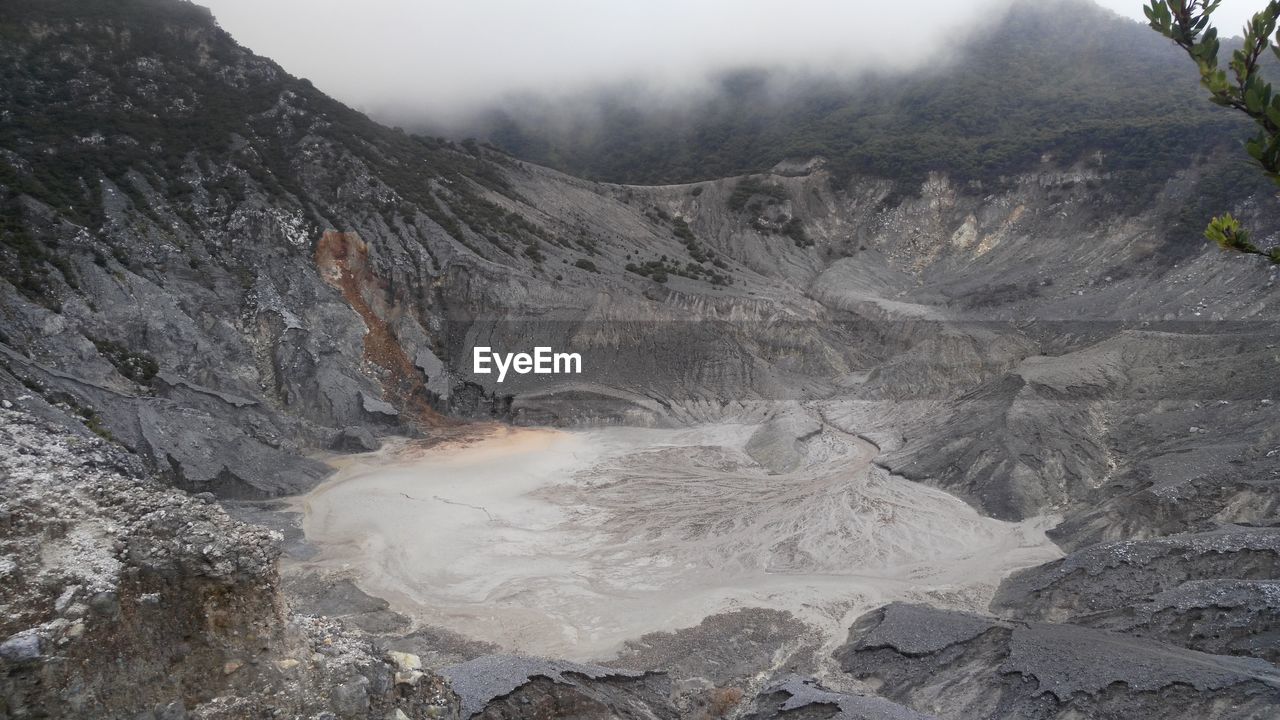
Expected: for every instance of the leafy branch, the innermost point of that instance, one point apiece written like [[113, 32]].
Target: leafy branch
[[1239, 86]]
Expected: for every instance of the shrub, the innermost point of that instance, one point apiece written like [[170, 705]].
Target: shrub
[[794, 229], [751, 187], [137, 366]]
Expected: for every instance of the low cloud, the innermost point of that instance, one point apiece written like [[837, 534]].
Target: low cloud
[[432, 62], [436, 60]]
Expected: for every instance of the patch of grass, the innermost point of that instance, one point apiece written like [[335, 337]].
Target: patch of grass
[[661, 269], [137, 366]]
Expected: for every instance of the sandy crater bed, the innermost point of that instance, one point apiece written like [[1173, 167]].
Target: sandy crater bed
[[567, 543]]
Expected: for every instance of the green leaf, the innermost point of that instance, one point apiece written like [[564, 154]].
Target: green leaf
[[1273, 113], [1253, 99], [1227, 232]]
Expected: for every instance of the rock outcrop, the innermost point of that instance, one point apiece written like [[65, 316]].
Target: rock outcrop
[[958, 665], [125, 598]]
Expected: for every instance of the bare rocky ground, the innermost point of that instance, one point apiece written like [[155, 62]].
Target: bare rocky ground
[[190, 331], [133, 595]]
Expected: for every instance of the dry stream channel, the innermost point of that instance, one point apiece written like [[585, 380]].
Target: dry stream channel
[[566, 543]]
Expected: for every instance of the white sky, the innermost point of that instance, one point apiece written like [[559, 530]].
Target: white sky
[[1230, 18], [438, 58]]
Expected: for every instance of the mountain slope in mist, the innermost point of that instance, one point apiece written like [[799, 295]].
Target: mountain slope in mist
[[1065, 78]]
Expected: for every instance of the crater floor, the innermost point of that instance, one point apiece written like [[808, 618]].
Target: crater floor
[[567, 543]]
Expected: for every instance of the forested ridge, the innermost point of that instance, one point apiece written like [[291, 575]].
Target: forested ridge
[[1064, 81]]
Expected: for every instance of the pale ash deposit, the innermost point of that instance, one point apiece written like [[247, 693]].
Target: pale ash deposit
[[567, 543]]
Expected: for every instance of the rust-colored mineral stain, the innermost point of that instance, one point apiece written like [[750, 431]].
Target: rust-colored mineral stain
[[342, 258]]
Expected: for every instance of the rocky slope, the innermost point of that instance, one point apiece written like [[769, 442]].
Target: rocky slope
[[211, 270], [960, 665], [138, 600]]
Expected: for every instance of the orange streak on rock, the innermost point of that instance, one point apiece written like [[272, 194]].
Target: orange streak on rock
[[342, 259]]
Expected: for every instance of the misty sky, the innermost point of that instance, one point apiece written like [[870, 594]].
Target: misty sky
[[440, 59]]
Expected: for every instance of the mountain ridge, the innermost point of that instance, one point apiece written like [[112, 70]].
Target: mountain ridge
[[1066, 78]]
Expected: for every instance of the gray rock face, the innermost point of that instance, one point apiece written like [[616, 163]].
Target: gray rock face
[[985, 667], [798, 697], [105, 557], [438, 378], [1226, 617], [1067, 660], [354, 439], [21, 647], [921, 630], [724, 648], [715, 663], [171, 582], [1112, 575], [336, 597], [204, 455], [377, 408], [508, 686], [1141, 587]]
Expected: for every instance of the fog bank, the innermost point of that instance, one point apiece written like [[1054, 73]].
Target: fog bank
[[441, 60], [423, 63]]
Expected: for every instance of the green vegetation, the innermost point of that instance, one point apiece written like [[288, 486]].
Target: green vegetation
[[585, 264], [93, 421], [753, 194], [1052, 77], [1186, 22], [533, 252], [680, 227], [700, 254], [659, 270], [27, 262], [655, 270], [68, 150], [752, 187], [794, 229], [137, 366], [155, 74]]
